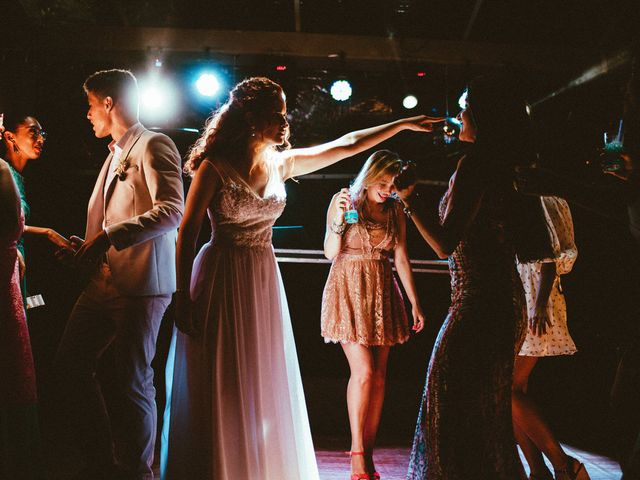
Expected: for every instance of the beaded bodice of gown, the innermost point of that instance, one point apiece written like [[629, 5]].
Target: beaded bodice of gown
[[242, 218]]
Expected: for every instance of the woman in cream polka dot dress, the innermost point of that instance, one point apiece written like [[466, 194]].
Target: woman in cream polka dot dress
[[547, 335]]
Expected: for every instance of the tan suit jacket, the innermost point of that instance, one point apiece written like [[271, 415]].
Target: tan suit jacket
[[141, 211]]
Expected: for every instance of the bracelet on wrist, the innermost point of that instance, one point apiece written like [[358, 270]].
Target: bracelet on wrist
[[408, 211], [337, 228]]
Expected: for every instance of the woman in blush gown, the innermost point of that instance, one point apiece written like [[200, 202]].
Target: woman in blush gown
[[464, 429], [236, 407]]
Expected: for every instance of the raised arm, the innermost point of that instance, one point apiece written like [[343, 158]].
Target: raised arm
[[205, 185], [403, 267], [300, 161], [466, 193], [335, 223]]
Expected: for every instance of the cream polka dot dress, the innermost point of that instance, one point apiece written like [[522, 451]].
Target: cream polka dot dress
[[557, 340]]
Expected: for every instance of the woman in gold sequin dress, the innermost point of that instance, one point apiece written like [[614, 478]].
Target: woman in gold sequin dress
[[362, 306]]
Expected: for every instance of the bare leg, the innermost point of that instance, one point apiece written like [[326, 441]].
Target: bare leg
[[533, 455], [528, 420], [361, 363], [376, 401]]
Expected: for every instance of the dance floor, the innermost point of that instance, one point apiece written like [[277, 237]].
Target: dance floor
[[392, 464]]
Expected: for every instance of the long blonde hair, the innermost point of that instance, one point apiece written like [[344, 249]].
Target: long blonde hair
[[379, 164]]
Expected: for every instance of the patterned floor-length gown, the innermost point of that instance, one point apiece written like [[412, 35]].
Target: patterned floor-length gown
[[464, 429]]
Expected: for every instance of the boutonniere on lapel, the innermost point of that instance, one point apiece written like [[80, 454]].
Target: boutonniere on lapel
[[122, 167]]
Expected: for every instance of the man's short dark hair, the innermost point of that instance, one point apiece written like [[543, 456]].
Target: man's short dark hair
[[120, 85]]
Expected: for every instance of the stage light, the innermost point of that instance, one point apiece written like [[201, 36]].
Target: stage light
[[462, 101], [158, 62], [208, 85], [421, 74], [410, 102], [341, 90], [152, 97], [157, 98], [281, 68]]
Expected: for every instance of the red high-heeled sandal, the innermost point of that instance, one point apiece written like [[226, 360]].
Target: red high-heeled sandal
[[358, 476]]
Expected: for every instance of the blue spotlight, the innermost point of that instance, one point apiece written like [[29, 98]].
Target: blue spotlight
[[208, 85], [341, 90]]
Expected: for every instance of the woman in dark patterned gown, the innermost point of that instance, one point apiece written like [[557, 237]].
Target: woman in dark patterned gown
[[464, 429]]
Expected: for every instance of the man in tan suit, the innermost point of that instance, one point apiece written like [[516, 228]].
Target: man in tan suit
[[132, 219]]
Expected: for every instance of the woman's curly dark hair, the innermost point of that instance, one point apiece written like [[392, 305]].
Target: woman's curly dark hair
[[227, 130]]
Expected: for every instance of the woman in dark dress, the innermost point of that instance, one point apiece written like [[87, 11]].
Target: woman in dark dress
[[464, 429]]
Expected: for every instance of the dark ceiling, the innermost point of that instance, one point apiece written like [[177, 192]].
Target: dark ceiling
[[593, 24]]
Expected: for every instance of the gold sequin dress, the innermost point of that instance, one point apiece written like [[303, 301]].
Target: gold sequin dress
[[362, 302]]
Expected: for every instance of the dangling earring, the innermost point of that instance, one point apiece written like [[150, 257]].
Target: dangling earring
[[253, 131], [16, 149]]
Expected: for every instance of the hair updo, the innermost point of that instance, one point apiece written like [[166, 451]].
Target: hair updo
[[227, 130]]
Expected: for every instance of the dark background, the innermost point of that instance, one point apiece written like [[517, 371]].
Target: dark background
[[601, 292]]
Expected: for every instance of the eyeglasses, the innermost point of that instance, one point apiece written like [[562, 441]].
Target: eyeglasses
[[35, 132]]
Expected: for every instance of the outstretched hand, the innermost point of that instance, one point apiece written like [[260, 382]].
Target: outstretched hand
[[58, 240], [423, 123], [51, 235], [66, 254]]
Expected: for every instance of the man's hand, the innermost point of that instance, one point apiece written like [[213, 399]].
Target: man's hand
[[91, 251]]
